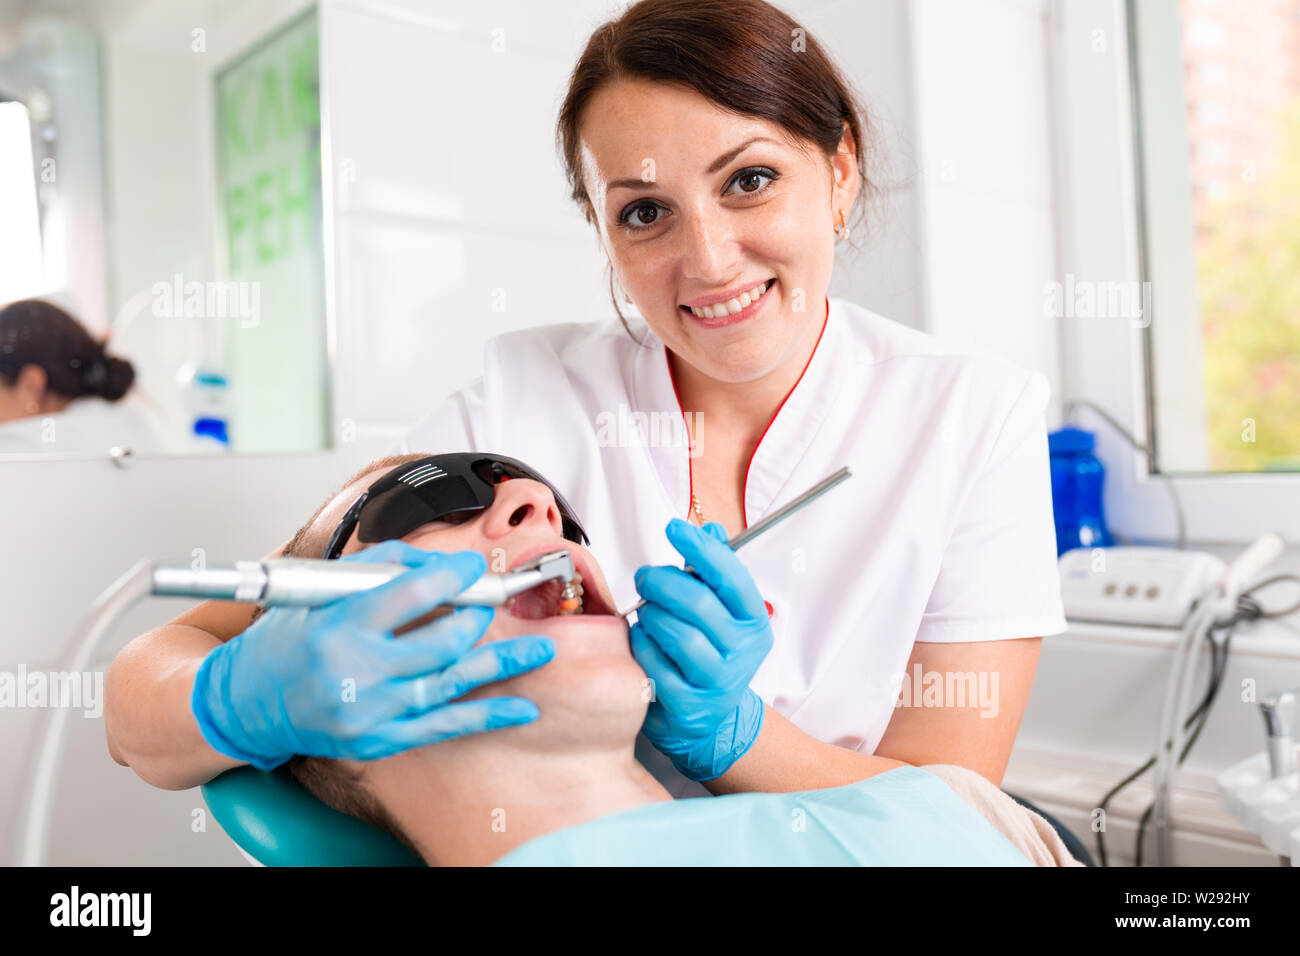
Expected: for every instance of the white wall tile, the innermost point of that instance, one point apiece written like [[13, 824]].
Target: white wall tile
[[982, 96], [556, 28], [985, 189], [436, 125], [421, 301], [990, 259], [869, 41]]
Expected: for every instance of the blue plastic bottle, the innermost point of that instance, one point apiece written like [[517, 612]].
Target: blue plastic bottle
[[1077, 478]]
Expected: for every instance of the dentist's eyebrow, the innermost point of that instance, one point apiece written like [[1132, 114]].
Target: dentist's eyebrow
[[716, 165]]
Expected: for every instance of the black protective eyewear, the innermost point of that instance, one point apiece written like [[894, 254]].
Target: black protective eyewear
[[431, 488]]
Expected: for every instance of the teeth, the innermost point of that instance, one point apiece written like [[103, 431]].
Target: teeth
[[732, 306]]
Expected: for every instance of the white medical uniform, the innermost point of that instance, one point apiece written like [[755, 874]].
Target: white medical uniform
[[88, 426], [944, 532]]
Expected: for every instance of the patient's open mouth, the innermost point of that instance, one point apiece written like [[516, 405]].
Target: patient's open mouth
[[548, 599]]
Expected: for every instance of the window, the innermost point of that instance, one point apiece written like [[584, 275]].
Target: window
[[1217, 115], [1124, 101], [21, 270]]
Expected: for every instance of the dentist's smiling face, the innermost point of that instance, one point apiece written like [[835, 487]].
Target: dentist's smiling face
[[715, 220]]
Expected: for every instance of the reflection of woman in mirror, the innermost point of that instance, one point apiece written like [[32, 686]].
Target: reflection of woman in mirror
[[52, 370]]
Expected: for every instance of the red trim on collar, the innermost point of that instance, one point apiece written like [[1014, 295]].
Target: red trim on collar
[[744, 515]]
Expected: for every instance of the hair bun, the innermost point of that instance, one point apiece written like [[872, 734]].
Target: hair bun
[[109, 377]]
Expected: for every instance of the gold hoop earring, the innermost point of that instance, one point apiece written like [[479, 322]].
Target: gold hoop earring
[[843, 225]]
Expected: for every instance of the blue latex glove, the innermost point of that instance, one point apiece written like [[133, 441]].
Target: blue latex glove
[[332, 681], [701, 638]]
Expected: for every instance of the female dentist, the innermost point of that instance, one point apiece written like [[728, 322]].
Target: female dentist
[[719, 153], [718, 162]]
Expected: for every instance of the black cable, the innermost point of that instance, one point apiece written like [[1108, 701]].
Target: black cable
[[1180, 542], [1142, 825], [1101, 842], [1212, 692], [1216, 676], [1259, 611]]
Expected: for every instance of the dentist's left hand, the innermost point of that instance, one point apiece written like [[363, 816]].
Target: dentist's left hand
[[333, 681], [701, 639]]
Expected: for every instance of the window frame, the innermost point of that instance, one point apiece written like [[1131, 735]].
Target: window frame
[[26, 216], [1109, 362]]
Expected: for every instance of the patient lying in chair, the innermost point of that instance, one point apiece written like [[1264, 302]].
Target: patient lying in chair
[[567, 789]]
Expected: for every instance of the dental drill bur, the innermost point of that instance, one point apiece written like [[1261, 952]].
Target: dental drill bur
[[571, 595], [754, 530]]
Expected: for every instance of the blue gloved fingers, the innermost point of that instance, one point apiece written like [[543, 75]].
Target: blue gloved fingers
[[717, 566], [689, 648], [498, 660], [435, 645], [457, 720], [415, 592], [718, 531], [669, 682], [692, 600], [319, 682]]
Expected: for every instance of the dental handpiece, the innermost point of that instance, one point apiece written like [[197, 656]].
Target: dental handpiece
[[311, 582], [754, 530]]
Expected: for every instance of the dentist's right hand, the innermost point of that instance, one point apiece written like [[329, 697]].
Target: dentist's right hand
[[332, 681]]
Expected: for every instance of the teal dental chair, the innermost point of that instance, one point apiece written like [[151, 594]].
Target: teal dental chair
[[276, 821]]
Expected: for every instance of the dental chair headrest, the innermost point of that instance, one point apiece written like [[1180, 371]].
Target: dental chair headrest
[[278, 822]]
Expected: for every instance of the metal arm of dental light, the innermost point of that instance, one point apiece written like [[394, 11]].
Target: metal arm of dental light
[[1217, 605], [275, 582]]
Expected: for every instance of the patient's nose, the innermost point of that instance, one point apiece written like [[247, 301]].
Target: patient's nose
[[521, 503]]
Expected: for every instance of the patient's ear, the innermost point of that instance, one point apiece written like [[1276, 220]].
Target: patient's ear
[[31, 384]]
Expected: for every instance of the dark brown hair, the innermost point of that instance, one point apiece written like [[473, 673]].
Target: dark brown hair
[[745, 56], [35, 332]]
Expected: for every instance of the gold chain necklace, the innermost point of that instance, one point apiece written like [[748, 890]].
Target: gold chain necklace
[[695, 506], [695, 501]]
